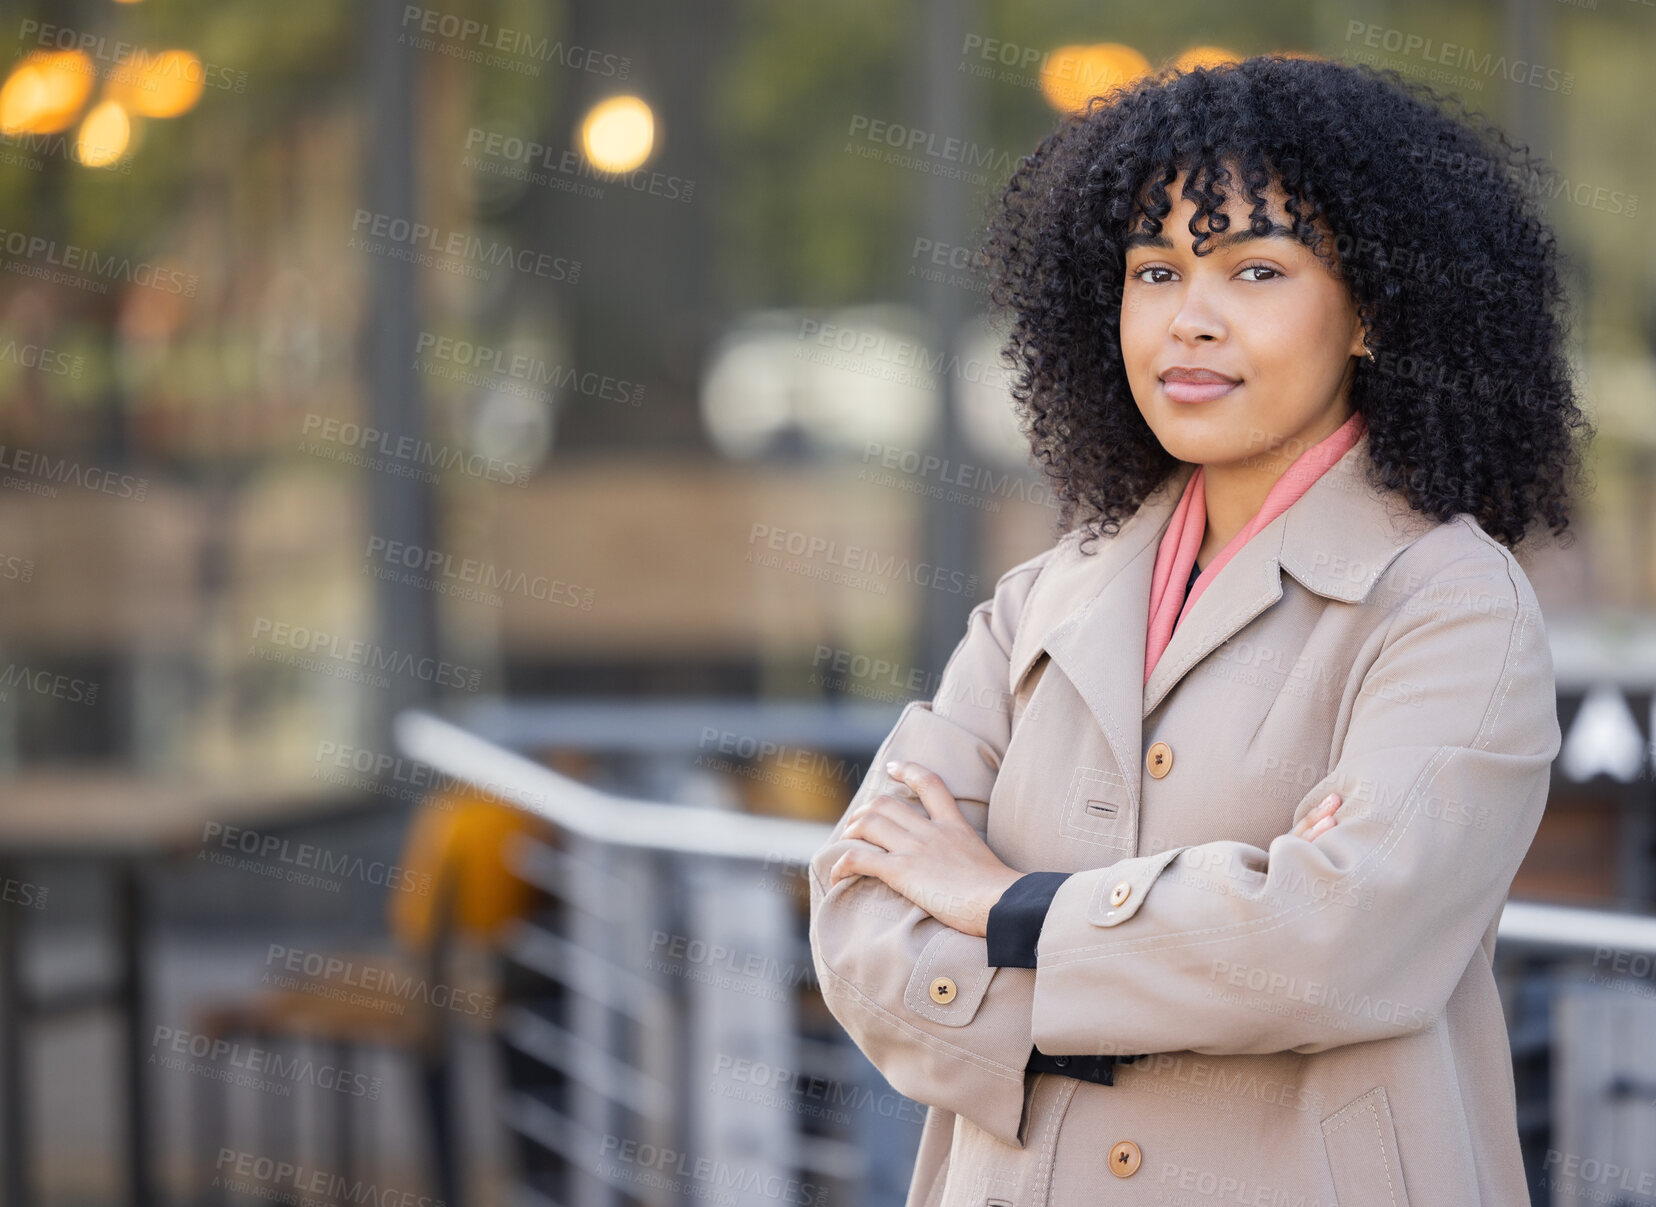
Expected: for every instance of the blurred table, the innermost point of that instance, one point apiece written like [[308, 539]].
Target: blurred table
[[118, 824]]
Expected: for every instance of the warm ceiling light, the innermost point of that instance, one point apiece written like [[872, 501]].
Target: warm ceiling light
[[1073, 75], [44, 92], [618, 133]]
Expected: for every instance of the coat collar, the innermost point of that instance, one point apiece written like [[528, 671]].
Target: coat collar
[[1091, 612]]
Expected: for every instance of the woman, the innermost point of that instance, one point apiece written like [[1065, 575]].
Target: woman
[[1185, 886]]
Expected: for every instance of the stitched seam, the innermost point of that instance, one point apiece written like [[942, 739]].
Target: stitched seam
[[1515, 643], [1099, 951], [1141, 889], [1347, 1113], [1112, 728], [1273, 592], [1394, 836], [1379, 1135], [1192, 659], [1049, 1140], [944, 1047], [919, 999], [1385, 1159]]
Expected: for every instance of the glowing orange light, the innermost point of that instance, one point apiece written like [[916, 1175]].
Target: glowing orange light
[[159, 85], [1203, 56], [1073, 75], [44, 92], [103, 135], [617, 133]]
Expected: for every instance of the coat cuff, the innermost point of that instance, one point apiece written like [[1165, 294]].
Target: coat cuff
[[1014, 926]]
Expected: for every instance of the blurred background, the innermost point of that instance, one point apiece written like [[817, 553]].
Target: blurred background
[[478, 481]]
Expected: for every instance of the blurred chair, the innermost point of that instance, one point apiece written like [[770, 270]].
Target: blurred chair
[[455, 850]]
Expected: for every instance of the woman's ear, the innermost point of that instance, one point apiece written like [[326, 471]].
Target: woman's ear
[[1360, 340]]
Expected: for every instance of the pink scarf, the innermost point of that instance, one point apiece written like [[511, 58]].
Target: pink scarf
[[1177, 553]]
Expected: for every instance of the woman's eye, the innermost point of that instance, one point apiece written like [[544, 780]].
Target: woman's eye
[[1138, 274], [1262, 268]]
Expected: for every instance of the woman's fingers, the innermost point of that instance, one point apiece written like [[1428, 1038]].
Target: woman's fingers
[[1318, 818], [934, 794], [878, 828]]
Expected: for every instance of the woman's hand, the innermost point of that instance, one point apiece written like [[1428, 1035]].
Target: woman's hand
[[934, 858], [1318, 819]]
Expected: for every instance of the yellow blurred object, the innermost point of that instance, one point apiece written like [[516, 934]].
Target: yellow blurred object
[[1073, 75], [159, 85], [103, 135], [618, 133], [44, 92], [1202, 56], [461, 833]]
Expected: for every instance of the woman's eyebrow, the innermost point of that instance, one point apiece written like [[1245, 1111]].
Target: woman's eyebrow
[[1228, 239]]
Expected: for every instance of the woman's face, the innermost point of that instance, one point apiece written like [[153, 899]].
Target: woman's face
[[1262, 313]]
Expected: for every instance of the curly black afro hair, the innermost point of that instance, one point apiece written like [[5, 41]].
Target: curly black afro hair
[[1437, 233]]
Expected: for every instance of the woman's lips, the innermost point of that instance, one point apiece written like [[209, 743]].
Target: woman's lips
[[1197, 391]]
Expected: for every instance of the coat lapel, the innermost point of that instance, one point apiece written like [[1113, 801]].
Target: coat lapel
[[1091, 613], [1092, 616]]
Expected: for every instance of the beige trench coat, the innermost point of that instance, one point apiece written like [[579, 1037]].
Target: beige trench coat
[[1319, 1019]]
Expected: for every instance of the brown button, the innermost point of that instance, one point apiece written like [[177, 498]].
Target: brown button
[[1124, 1159], [1120, 893], [943, 990], [1158, 761]]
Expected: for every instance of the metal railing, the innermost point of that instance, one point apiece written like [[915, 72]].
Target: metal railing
[[675, 1014]]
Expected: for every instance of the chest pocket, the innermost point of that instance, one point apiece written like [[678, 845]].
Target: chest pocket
[[1099, 810]]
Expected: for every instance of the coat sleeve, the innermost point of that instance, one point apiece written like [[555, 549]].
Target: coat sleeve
[[1363, 934], [878, 956]]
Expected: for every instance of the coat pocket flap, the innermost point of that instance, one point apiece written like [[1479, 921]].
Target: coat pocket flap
[[1362, 1153], [950, 978], [1118, 898]]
